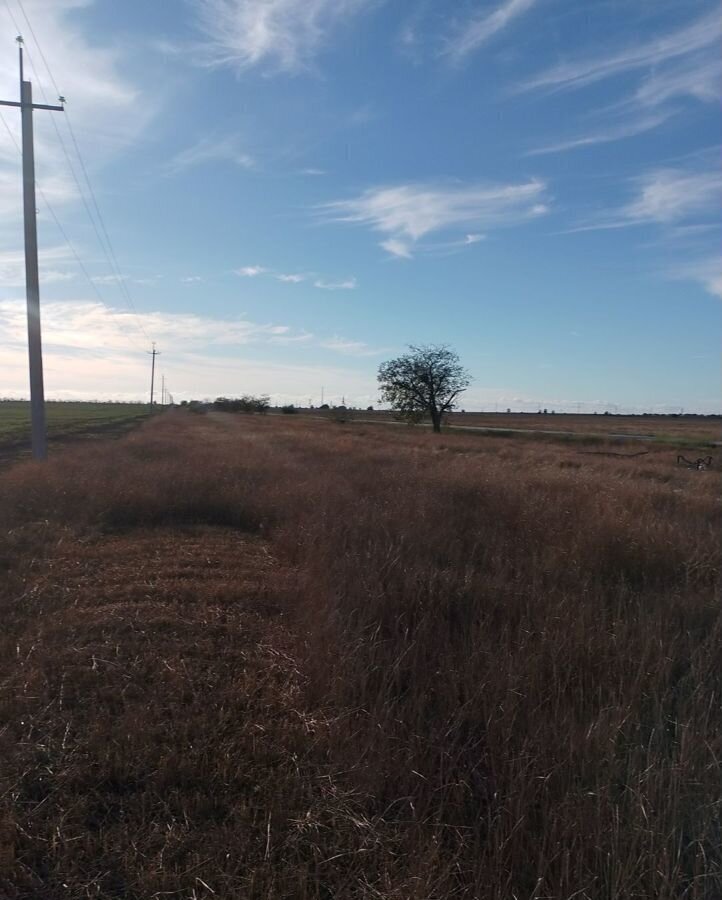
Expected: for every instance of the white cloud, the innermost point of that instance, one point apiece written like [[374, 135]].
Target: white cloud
[[104, 105], [87, 325], [481, 27], [209, 150], [707, 272], [78, 375], [398, 248], [52, 276], [702, 33], [302, 337], [350, 348], [349, 284], [191, 279], [606, 135], [12, 266], [108, 279], [666, 197], [293, 278], [683, 66], [280, 35], [346, 284], [699, 77], [88, 355], [409, 212], [474, 238]]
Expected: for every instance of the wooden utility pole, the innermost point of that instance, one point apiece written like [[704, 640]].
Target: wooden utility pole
[[32, 281], [153, 354]]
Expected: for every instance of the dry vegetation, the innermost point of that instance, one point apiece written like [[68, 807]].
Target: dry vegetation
[[685, 429], [291, 659]]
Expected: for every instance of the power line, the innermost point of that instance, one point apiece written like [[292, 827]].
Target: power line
[[37, 43], [52, 212], [104, 239], [71, 247], [32, 277], [152, 353]]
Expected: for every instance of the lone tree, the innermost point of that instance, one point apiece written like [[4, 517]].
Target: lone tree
[[425, 380]]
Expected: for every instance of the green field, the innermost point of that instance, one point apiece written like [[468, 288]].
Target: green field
[[66, 418]]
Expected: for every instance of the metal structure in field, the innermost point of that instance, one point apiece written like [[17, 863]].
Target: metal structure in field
[[153, 353], [32, 283]]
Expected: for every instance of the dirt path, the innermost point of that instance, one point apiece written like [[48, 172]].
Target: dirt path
[[149, 702]]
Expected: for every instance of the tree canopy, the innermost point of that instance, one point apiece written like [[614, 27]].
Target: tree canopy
[[426, 380]]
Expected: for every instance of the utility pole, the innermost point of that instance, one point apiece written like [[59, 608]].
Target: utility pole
[[153, 353], [162, 390], [32, 281]]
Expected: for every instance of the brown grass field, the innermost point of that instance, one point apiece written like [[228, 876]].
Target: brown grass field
[[688, 428], [248, 657], [685, 429]]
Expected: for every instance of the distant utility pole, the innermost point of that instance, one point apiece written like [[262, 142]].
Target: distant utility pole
[[162, 390], [32, 283], [153, 353]]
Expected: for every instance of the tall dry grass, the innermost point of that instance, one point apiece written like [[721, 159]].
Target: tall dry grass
[[509, 652]]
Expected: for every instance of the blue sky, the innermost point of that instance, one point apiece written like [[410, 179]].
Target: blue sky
[[297, 189]]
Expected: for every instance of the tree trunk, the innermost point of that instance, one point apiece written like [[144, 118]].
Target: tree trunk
[[436, 420]]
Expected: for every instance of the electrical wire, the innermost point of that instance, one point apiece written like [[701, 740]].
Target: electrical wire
[[104, 238], [71, 247]]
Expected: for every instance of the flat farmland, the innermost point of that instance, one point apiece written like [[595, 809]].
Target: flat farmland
[[281, 657], [66, 419], [686, 429]]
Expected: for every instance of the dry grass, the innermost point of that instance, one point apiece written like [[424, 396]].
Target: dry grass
[[248, 658], [687, 429]]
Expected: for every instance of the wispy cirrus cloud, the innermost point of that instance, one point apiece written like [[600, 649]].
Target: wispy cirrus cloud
[[468, 36], [103, 100], [605, 135], [325, 284], [699, 77], [351, 348], [209, 150], [108, 279], [668, 195], [665, 197], [702, 33], [87, 355], [348, 284], [706, 271], [85, 324], [398, 248], [685, 66], [12, 266], [278, 35], [291, 278], [406, 213]]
